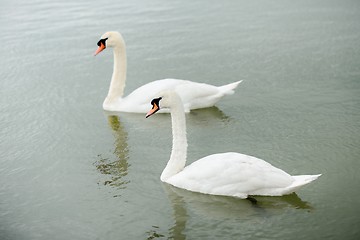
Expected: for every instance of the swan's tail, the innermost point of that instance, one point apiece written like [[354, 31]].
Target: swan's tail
[[300, 181], [229, 88]]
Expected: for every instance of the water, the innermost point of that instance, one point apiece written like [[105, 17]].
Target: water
[[69, 170]]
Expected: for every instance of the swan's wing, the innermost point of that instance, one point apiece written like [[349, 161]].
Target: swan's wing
[[231, 174], [141, 97], [198, 95], [150, 89], [193, 95]]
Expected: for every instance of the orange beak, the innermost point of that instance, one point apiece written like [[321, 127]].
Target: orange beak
[[101, 47], [154, 109]]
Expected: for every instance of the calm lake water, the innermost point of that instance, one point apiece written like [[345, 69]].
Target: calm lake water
[[69, 170]]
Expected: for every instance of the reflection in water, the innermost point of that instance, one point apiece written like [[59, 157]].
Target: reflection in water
[[204, 114], [180, 214], [117, 169], [222, 207], [287, 201], [153, 234]]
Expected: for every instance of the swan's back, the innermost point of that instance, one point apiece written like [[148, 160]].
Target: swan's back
[[234, 174], [193, 94]]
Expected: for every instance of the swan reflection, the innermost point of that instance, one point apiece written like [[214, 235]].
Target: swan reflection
[[223, 207], [116, 169], [207, 114]]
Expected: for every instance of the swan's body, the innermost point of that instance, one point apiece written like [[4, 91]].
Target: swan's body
[[229, 174], [193, 95]]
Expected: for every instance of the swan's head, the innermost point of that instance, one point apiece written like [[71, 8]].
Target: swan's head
[[110, 39], [165, 99]]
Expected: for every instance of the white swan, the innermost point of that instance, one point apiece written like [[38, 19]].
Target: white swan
[[194, 95], [229, 174]]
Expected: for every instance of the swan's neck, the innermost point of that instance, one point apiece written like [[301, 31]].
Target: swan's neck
[[118, 78], [179, 146]]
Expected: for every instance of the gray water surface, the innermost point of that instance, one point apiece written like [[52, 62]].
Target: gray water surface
[[69, 170]]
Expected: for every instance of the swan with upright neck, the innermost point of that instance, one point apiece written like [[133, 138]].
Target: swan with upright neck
[[193, 95], [229, 174]]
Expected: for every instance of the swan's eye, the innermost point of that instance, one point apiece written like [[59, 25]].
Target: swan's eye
[[102, 41]]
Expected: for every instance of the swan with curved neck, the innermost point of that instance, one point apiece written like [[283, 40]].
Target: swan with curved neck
[[229, 174], [193, 95]]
